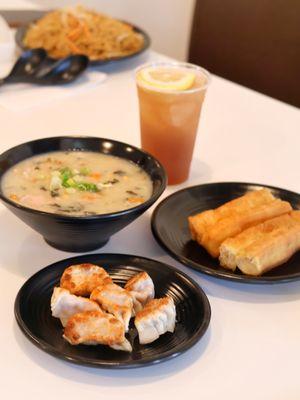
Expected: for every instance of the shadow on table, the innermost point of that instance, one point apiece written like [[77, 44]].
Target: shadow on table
[[24, 251], [106, 377], [200, 173], [241, 292]]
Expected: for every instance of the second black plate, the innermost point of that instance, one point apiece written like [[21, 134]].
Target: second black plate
[[170, 228], [33, 314], [21, 31]]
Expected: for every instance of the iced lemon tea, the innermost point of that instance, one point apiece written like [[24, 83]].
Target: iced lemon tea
[[170, 100]]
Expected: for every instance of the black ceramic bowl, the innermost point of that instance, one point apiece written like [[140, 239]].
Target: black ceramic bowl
[[80, 234]]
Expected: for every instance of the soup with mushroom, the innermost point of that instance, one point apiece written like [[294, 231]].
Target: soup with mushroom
[[79, 183]]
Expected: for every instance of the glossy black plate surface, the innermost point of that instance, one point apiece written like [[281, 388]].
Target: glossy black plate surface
[[21, 31], [170, 228], [33, 314]]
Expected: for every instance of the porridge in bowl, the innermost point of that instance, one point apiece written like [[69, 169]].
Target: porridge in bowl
[[77, 183]]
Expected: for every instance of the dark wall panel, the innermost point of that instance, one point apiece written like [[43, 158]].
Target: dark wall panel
[[253, 42]]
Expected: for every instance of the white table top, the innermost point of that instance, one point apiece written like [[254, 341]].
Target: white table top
[[252, 347]]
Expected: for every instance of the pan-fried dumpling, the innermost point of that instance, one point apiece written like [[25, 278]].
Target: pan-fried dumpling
[[157, 317], [96, 327], [115, 300], [64, 304], [124, 346], [141, 288], [82, 279]]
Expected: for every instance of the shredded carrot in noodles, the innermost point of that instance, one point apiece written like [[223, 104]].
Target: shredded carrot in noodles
[[80, 31]]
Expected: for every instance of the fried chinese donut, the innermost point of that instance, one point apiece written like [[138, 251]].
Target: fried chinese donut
[[264, 246], [210, 228]]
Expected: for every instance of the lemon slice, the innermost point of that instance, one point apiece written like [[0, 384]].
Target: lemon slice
[[167, 78]]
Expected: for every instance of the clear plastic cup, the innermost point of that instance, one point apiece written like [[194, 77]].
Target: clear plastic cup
[[169, 119]]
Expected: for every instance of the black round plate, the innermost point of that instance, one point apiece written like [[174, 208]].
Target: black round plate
[[170, 228], [21, 31], [33, 314]]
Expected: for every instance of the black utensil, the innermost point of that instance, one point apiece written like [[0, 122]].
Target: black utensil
[[26, 66], [34, 66], [63, 71]]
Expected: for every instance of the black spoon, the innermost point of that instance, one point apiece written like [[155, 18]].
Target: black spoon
[[62, 71], [26, 66], [34, 66]]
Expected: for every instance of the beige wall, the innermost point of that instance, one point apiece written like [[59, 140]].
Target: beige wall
[[168, 22]]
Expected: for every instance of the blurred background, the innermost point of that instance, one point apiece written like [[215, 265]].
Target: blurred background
[[255, 43], [168, 22]]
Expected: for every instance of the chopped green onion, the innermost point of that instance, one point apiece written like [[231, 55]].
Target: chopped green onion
[[84, 171], [65, 175], [69, 183], [86, 186], [68, 180]]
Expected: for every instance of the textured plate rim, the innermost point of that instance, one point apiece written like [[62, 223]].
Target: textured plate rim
[[286, 278], [20, 32], [152, 360]]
